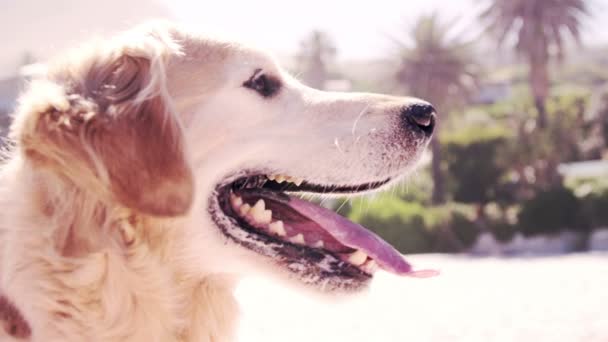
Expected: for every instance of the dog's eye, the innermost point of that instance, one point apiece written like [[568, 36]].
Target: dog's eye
[[265, 85]]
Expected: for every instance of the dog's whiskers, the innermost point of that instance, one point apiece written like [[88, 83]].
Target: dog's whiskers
[[323, 199], [342, 205], [357, 139], [337, 144], [298, 75], [358, 118]]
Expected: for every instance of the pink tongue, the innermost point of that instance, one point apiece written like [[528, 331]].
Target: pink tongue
[[356, 236]]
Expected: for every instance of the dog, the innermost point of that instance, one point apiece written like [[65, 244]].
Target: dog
[[147, 173]]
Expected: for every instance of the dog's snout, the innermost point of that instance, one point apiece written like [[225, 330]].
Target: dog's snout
[[420, 115]]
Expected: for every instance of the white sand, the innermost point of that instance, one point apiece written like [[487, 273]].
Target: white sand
[[559, 298]]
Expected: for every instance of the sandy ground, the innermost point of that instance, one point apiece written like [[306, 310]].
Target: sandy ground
[[558, 298]]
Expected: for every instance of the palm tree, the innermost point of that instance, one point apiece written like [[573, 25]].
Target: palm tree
[[316, 52], [441, 70], [540, 27]]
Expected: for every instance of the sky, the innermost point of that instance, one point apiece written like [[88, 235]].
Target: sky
[[361, 29]]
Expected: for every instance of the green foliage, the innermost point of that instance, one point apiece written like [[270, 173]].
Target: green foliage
[[474, 163], [498, 160], [583, 186], [580, 73], [551, 211], [417, 188], [414, 228], [595, 208], [409, 236], [502, 231], [473, 134], [403, 224], [439, 65], [464, 229], [493, 153]]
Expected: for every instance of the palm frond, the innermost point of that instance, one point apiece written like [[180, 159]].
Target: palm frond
[[535, 22], [438, 64]]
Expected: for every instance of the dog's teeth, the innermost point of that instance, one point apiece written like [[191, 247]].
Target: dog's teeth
[[370, 266], [319, 244], [244, 209], [357, 258], [259, 214], [284, 178], [236, 201], [265, 217], [277, 228], [260, 206], [298, 239]]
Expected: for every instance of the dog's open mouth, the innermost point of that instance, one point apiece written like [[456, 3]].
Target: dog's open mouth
[[322, 247]]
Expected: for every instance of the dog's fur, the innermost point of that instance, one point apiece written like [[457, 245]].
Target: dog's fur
[[105, 232]]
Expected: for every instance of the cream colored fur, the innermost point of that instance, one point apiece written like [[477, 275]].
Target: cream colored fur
[[104, 228], [79, 266]]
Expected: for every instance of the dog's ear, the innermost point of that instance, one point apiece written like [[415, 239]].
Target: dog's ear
[[110, 128]]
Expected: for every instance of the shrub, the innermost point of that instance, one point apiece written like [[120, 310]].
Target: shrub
[[464, 229], [417, 187], [474, 164], [550, 212], [409, 236], [502, 231], [595, 209], [400, 223], [413, 228]]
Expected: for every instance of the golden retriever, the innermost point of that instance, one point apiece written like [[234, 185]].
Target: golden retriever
[[147, 173]]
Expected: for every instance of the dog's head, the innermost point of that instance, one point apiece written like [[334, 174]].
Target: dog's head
[[169, 124]]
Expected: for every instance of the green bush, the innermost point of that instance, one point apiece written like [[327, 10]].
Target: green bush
[[500, 221], [417, 187], [401, 224], [595, 209], [464, 229], [409, 236], [550, 212], [414, 228], [474, 163], [502, 231]]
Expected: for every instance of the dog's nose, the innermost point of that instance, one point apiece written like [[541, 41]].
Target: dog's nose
[[420, 115]]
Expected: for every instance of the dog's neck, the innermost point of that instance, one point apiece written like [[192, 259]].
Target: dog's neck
[[91, 263]]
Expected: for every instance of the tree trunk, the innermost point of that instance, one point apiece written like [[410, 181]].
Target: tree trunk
[[539, 84], [438, 179], [541, 120]]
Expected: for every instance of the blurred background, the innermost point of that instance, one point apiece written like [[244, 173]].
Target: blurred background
[[511, 200]]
